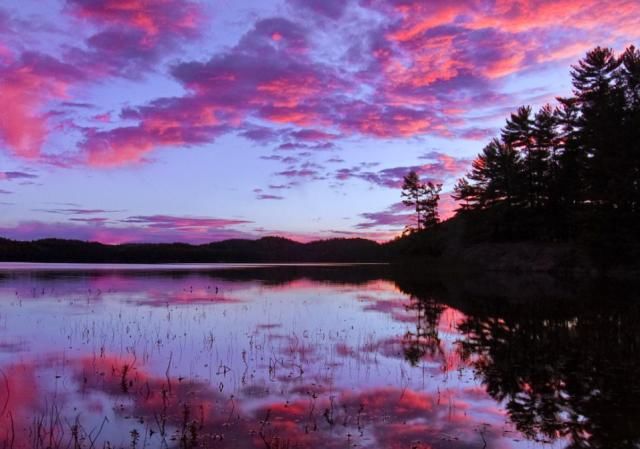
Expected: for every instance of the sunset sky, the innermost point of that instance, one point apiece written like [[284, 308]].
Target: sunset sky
[[186, 120]]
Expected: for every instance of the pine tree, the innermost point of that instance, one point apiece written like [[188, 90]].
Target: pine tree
[[518, 135], [480, 175], [571, 157], [545, 157], [598, 99], [629, 79], [466, 194], [423, 198], [412, 195], [429, 204], [495, 173]]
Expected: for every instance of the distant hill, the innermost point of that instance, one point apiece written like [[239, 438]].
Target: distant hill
[[267, 249]]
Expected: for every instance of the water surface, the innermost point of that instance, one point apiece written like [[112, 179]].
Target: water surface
[[313, 356]]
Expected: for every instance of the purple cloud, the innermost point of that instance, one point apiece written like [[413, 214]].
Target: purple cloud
[[333, 9], [267, 196], [397, 216], [440, 168], [76, 211], [11, 175]]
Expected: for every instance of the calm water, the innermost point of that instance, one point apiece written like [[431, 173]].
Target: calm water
[[313, 357]]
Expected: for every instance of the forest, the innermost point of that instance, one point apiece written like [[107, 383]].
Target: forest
[[562, 182], [569, 168]]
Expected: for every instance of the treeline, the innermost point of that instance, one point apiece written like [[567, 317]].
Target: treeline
[[268, 249], [567, 169]]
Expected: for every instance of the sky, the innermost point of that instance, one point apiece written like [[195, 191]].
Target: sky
[[196, 121]]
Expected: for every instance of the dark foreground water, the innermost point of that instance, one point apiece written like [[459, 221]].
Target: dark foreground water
[[314, 357]]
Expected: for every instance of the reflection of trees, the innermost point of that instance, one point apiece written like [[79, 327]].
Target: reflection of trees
[[563, 356], [570, 370], [425, 341], [426, 296]]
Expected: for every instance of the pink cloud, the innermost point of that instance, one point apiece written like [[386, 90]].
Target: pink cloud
[[277, 81], [28, 84], [447, 206], [185, 223], [131, 144], [259, 77], [420, 71], [539, 14], [122, 52], [132, 36], [154, 19], [434, 35]]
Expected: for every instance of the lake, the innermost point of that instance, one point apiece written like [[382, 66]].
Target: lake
[[313, 356]]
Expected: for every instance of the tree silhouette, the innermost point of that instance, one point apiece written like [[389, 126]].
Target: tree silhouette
[[518, 135], [598, 122], [572, 169], [411, 195], [561, 371], [563, 361], [628, 77], [423, 198], [494, 174], [429, 204], [466, 194], [425, 341], [570, 161], [545, 162]]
